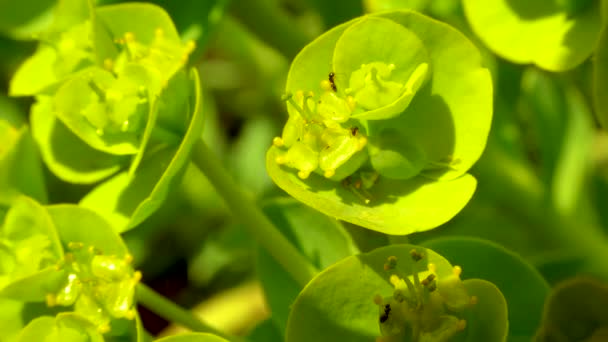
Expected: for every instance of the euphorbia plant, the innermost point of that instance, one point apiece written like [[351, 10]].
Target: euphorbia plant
[[112, 95], [386, 115]]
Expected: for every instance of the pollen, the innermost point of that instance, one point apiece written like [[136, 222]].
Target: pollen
[[108, 64], [129, 37], [351, 102], [303, 174], [190, 46], [51, 300], [394, 279], [278, 141], [361, 143], [280, 160], [457, 270], [326, 85]]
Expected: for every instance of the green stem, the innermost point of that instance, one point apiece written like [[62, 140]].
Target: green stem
[[273, 26], [251, 216], [174, 313], [520, 189]]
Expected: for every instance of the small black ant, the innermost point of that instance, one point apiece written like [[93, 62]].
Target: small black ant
[[354, 130], [384, 316], [332, 81]]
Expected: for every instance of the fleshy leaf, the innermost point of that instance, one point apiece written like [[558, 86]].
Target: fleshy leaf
[[20, 166], [395, 206], [321, 239], [488, 317], [393, 156], [126, 201], [104, 111], [81, 225], [508, 271], [383, 77], [64, 153], [66, 327], [353, 300], [450, 119], [537, 32], [30, 248], [576, 310]]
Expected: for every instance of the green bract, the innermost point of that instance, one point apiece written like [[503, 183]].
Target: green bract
[[387, 113], [20, 167], [555, 35], [576, 310], [485, 260], [67, 257], [112, 94], [397, 293]]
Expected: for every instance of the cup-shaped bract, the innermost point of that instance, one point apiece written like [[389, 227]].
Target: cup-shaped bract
[[98, 75], [112, 94], [67, 256], [387, 113], [397, 293], [554, 35], [29, 250]]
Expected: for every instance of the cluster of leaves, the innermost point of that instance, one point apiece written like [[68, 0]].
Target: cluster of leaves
[[112, 99], [387, 134]]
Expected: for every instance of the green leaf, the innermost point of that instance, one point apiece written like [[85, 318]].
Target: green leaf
[[342, 302], [321, 240], [192, 337], [30, 249], [395, 206], [455, 105], [393, 156], [24, 19], [450, 119], [66, 49], [380, 73], [68, 327], [488, 318], [94, 105], [127, 201], [576, 310], [523, 287], [20, 167], [150, 37], [38, 329], [541, 33], [64, 153], [11, 320], [600, 78], [76, 224]]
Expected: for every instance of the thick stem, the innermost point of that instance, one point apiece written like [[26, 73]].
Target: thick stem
[[172, 312], [251, 216]]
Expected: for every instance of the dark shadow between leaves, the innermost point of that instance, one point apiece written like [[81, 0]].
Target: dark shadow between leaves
[[70, 151], [531, 10]]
